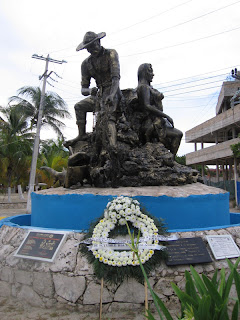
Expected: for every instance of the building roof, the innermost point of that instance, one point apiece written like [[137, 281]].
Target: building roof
[[213, 154], [221, 124], [221, 130], [227, 92]]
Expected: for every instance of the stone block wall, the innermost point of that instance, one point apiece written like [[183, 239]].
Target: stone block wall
[[69, 281]]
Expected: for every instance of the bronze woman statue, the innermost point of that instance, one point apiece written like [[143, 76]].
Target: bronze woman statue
[[158, 125]]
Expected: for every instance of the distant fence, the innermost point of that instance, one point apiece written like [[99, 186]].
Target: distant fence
[[227, 185]]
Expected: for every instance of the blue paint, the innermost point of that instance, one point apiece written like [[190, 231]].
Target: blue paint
[[234, 218], [71, 211], [23, 220], [74, 211], [24, 223], [238, 192], [190, 212]]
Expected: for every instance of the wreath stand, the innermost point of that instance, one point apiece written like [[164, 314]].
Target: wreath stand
[[101, 294]]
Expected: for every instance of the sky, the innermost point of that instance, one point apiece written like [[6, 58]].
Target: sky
[[192, 45]]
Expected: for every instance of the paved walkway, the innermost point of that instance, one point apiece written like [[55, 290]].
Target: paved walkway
[[4, 213], [16, 207]]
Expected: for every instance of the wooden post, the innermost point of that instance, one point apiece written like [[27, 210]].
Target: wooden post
[[224, 176], [227, 172], [234, 135], [203, 174], [101, 294], [217, 172], [235, 180], [146, 297], [230, 172]]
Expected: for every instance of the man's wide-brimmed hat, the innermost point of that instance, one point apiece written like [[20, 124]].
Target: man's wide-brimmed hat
[[89, 38]]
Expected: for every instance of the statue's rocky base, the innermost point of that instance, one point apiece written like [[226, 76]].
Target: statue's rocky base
[[120, 152], [149, 165]]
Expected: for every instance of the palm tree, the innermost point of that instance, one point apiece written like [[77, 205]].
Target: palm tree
[[53, 155], [28, 101], [15, 144]]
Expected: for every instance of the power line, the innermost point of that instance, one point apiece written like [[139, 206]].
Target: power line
[[137, 23], [198, 117], [73, 94], [50, 84], [76, 82], [68, 48], [204, 115], [173, 99], [199, 75], [203, 105], [182, 83], [35, 56], [177, 89], [157, 15], [192, 91], [196, 85], [183, 43], [177, 25], [67, 85]]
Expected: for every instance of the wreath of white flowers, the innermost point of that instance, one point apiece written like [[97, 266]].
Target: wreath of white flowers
[[118, 212]]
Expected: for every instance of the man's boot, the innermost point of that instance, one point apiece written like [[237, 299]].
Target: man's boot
[[82, 136]]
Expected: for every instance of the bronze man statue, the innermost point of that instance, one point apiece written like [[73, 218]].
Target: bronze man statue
[[103, 66], [157, 124]]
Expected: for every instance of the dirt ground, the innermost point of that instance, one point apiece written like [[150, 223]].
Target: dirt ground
[[11, 310]]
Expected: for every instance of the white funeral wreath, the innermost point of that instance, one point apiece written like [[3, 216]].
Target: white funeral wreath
[[118, 211]]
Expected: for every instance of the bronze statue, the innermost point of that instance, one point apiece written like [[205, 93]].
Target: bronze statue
[[157, 124], [131, 140], [103, 66]]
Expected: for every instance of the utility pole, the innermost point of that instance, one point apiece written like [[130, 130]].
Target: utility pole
[[37, 137]]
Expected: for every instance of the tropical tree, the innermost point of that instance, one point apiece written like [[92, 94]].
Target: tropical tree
[[53, 155], [49, 149], [54, 108], [181, 160], [15, 145]]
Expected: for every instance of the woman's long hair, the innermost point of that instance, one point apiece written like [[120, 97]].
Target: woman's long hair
[[142, 70]]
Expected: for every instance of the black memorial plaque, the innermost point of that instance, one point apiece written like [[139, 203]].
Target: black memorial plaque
[[40, 245], [187, 251]]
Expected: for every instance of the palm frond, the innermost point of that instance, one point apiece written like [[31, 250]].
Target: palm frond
[[54, 107]]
